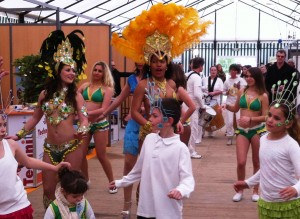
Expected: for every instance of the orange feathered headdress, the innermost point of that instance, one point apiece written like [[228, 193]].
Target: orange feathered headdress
[[164, 30]]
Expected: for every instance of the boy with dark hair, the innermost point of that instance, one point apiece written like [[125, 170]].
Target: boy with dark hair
[[194, 89], [231, 88], [164, 166]]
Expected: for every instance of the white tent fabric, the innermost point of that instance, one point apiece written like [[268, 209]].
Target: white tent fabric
[[235, 20]]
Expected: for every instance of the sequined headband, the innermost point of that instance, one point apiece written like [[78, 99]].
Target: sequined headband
[[283, 93]]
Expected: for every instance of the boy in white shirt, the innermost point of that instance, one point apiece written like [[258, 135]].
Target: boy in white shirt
[[163, 168]]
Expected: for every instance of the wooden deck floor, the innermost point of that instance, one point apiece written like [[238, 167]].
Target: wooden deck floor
[[212, 199]]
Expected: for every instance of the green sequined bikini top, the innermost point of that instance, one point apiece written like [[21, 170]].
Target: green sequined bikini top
[[58, 107]]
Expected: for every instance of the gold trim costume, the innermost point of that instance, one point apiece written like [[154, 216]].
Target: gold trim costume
[[57, 153]]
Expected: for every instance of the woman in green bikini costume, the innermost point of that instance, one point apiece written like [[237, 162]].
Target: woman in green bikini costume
[[98, 94], [60, 103], [253, 104]]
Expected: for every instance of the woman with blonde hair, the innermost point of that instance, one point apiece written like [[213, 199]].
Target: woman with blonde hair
[[98, 94], [130, 143]]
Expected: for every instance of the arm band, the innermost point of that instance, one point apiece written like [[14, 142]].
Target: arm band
[[145, 130], [83, 129], [22, 133]]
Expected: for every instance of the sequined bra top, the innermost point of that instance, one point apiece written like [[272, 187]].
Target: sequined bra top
[[56, 110]]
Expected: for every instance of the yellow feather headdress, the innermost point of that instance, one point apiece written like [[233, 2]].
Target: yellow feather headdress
[[166, 28]]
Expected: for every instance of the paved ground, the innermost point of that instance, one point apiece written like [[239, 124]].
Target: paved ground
[[214, 175]]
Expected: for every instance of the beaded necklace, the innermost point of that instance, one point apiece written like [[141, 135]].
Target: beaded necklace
[[58, 105], [162, 85]]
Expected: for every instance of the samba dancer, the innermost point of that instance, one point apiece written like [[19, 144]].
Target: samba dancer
[[64, 58], [158, 41], [252, 101], [98, 94]]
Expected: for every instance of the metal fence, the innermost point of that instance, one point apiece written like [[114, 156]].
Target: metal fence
[[212, 51]]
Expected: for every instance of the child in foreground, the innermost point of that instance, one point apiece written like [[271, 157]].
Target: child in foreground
[[14, 203], [164, 166], [70, 202], [279, 172]]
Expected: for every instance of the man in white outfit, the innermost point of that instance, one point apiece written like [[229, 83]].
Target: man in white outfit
[[194, 89], [231, 88]]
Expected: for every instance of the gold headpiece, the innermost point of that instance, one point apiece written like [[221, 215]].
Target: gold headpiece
[[64, 53], [164, 30], [70, 50], [159, 45]]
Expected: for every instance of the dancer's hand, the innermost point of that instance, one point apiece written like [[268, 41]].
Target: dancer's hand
[[179, 128], [240, 185], [112, 185], [62, 164], [13, 137], [101, 117], [175, 194], [288, 193], [244, 121], [80, 135], [127, 117]]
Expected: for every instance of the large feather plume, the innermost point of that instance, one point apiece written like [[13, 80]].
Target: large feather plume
[[182, 25]]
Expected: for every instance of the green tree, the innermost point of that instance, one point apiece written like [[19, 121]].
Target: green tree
[[32, 77]]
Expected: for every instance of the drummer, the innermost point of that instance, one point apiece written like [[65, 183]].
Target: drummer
[[212, 88]]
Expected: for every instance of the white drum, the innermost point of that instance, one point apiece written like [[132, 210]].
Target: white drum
[[206, 116]]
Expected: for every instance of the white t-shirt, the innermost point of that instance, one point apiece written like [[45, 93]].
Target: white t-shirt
[[279, 167], [230, 85], [163, 164], [194, 89], [13, 196]]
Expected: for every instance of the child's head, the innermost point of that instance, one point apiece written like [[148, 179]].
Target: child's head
[[282, 119], [165, 111], [234, 69], [73, 184]]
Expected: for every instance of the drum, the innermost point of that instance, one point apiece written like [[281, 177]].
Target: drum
[[218, 121], [205, 117]]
